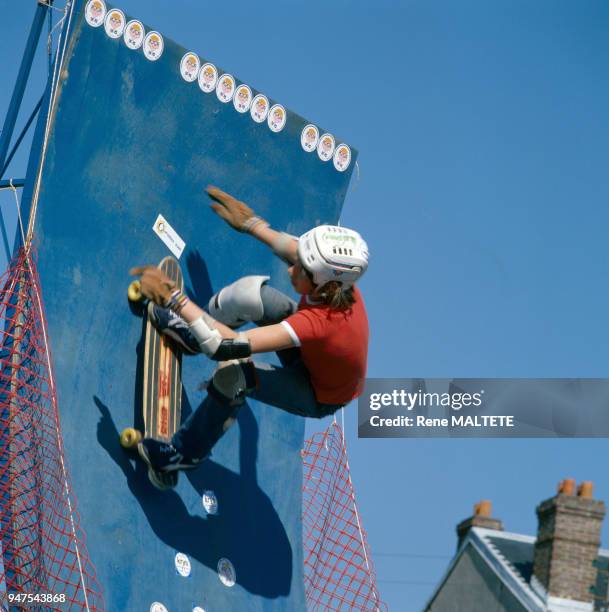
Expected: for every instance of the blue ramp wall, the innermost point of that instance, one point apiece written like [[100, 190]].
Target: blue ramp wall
[[131, 139]]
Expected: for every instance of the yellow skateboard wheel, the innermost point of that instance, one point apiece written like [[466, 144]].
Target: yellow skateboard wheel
[[130, 437], [134, 291]]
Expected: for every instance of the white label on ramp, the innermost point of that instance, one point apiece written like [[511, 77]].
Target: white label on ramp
[[277, 118], [114, 23], [260, 108], [153, 46], [208, 77], [95, 12], [210, 502], [325, 147], [225, 89], [309, 137], [342, 157], [243, 99], [182, 563], [189, 67], [134, 34], [169, 236], [226, 572]]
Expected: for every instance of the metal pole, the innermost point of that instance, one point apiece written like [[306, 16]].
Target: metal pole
[[22, 77], [21, 136], [10, 183]]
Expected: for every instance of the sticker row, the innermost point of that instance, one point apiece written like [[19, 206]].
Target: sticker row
[[227, 90], [260, 110], [133, 32], [326, 148], [209, 80]]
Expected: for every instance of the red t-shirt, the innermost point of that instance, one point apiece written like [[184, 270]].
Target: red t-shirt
[[334, 347]]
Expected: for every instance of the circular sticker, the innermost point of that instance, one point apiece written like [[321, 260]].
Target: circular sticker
[[210, 502], [243, 98], [153, 46], [226, 573], [95, 12], [225, 88], [134, 34], [325, 147], [208, 77], [198, 609], [342, 157], [189, 67], [114, 23], [260, 108], [309, 138], [183, 566], [277, 118], [158, 607]]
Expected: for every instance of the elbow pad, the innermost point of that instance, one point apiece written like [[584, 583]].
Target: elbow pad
[[235, 348], [214, 346]]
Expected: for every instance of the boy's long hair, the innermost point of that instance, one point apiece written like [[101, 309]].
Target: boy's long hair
[[333, 295]]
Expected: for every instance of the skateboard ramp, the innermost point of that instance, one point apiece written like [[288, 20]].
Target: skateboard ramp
[[132, 143]]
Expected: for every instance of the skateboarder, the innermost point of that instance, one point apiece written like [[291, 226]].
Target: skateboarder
[[322, 342]]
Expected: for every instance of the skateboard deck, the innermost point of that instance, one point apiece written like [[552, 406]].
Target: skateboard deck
[[162, 374]]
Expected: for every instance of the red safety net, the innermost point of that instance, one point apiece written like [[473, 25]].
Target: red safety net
[[338, 569], [44, 562]]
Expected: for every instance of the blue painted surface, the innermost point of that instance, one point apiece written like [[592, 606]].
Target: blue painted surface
[[131, 139]]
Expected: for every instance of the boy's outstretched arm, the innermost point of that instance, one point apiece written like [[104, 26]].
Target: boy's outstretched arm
[[242, 218]]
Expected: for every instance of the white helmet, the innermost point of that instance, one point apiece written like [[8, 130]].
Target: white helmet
[[333, 253]]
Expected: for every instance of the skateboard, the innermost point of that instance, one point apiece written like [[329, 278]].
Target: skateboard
[[162, 369]]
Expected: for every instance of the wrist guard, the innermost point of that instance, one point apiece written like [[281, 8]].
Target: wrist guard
[[235, 348], [176, 301], [214, 346]]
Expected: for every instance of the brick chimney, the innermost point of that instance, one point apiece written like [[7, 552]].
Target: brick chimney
[[568, 539], [481, 518]]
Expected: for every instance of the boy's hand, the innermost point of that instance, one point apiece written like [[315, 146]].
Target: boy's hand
[[155, 285], [236, 213]]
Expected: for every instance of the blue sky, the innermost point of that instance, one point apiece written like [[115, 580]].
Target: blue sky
[[483, 136]]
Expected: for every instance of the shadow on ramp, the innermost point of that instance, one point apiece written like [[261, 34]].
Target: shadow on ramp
[[247, 529]]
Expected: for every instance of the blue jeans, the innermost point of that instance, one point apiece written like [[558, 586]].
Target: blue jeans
[[287, 387]]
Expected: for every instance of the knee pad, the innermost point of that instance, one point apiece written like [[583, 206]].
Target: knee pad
[[277, 305], [233, 379], [239, 302]]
